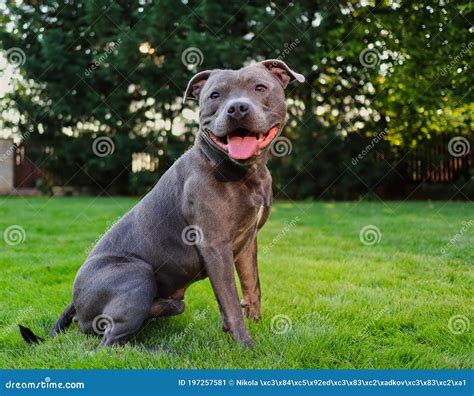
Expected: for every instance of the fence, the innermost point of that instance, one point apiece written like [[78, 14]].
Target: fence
[[26, 171], [433, 163]]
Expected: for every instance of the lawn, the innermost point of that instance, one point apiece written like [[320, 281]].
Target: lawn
[[329, 300]]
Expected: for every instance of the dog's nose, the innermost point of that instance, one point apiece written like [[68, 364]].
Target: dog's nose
[[238, 110]]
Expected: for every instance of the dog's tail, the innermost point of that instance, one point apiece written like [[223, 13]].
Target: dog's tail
[[29, 336], [63, 322]]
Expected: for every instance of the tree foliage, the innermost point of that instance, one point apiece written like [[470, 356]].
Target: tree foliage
[[117, 68]]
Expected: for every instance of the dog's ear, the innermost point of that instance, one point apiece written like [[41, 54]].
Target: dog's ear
[[282, 71], [195, 85]]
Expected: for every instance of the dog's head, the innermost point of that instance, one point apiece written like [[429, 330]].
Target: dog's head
[[242, 111]]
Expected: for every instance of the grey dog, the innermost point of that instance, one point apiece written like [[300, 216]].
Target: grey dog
[[200, 219]]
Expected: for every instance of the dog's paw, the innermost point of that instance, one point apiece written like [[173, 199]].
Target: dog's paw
[[249, 343], [251, 310], [244, 339], [252, 313], [225, 326]]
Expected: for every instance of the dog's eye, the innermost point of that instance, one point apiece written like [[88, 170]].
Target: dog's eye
[[214, 95], [260, 88]]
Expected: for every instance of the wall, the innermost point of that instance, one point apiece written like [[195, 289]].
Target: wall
[[6, 166]]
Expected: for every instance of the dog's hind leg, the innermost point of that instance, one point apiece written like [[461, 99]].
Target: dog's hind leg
[[173, 305], [122, 317], [166, 307], [130, 296]]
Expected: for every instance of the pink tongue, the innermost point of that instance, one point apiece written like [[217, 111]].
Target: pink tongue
[[242, 147]]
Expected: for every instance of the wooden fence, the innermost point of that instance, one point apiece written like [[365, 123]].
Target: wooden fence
[[26, 172], [434, 163]]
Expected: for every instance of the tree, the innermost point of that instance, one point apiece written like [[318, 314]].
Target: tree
[[117, 69]]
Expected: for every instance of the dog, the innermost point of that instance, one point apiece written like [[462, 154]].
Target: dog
[[200, 219]]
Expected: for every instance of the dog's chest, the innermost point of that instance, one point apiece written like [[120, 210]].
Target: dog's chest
[[253, 210], [247, 229], [260, 214], [250, 204]]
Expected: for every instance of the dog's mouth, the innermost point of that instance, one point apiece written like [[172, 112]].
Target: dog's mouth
[[242, 144]]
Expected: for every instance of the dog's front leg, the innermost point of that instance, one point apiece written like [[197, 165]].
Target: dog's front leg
[[219, 263], [247, 269]]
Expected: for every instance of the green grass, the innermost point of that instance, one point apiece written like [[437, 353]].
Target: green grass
[[350, 305]]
